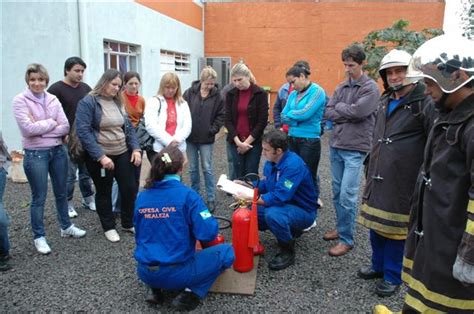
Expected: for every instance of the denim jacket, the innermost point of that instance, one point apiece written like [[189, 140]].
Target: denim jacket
[[88, 117]]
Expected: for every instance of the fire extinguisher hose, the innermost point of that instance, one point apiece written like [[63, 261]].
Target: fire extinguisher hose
[[224, 223]]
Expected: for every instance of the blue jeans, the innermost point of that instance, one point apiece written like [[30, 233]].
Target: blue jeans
[[248, 162], [4, 219], [85, 181], [37, 164], [203, 151], [387, 257], [346, 166], [116, 201], [309, 149], [198, 273], [284, 221]]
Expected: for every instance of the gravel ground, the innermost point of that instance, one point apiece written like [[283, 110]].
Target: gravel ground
[[92, 274]]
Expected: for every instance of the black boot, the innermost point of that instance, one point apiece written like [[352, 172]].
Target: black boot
[[367, 273], [384, 288], [185, 301], [286, 256], [154, 296], [4, 265]]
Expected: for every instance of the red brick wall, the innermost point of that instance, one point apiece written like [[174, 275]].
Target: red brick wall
[[271, 36]]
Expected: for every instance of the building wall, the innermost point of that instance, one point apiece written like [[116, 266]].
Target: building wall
[[49, 32], [271, 36]]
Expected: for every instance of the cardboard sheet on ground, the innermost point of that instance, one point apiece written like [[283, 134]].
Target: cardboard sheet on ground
[[234, 282]]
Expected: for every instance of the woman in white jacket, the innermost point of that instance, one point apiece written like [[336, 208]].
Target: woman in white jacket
[[167, 116]]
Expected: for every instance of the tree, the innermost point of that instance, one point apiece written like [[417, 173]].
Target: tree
[[378, 43]]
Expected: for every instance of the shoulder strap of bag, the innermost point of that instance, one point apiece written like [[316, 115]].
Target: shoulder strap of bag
[[159, 108]]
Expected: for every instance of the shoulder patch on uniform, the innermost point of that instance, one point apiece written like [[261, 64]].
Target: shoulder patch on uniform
[[205, 214], [288, 184]]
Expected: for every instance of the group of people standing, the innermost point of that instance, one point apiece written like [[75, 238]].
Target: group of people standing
[[102, 121], [415, 141]]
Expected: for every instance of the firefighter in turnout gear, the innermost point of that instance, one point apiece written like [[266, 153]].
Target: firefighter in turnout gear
[[438, 264], [403, 120]]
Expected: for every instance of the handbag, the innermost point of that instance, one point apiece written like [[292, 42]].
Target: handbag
[[145, 140], [74, 145]]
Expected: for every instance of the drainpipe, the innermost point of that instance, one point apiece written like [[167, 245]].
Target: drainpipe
[[82, 27]]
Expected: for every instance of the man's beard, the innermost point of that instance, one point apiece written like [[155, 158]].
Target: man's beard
[[441, 103]]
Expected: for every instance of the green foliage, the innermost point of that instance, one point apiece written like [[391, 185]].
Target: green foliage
[[378, 43]]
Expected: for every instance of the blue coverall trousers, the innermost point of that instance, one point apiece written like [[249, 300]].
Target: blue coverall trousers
[[387, 256], [284, 221], [197, 274]]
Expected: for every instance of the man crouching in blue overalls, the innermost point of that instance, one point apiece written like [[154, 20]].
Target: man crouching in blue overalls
[[288, 202], [169, 218]]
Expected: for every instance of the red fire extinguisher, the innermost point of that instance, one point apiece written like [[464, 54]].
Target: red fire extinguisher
[[240, 239], [218, 240]]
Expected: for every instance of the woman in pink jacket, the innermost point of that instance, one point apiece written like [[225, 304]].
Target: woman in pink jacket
[[44, 127]]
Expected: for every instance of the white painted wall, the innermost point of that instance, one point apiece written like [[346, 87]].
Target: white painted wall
[[453, 12], [47, 32]]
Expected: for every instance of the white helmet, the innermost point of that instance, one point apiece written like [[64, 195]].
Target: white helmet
[[440, 59], [395, 58]]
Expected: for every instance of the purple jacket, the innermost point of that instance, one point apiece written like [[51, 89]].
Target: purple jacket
[[42, 124]]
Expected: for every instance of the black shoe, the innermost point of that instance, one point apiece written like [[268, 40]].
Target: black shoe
[[296, 233], [4, 266], [4, 257], [384, 288], [154, 296], [366, 272], [285, 258], [186, 301]]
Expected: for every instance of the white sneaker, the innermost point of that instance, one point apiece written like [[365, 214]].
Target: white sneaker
[[89, 203], [73, 231], [42, 246], [129, 230], [112, 235], [70, 209], [311, 227]]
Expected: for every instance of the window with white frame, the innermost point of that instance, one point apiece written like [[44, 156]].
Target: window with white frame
[[171, 61], [120, 56]]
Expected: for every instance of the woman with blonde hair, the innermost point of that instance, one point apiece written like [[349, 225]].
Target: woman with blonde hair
[[44, 127], [167, 116], [207, 112], [246, 116], [111, 150]]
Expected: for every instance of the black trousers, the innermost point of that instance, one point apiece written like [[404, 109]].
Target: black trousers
[[124, 174], [309, 149]]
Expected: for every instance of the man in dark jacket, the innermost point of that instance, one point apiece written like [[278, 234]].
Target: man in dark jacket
[[207, 113], [438, 264], [352, 111], [401, 128]]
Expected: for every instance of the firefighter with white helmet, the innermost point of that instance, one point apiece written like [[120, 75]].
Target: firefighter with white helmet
[[438, 263], [404, 117]]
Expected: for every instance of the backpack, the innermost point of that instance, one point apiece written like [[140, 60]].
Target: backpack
[[145, 140]]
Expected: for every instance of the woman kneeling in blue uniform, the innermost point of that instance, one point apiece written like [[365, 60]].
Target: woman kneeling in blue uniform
[[169, 218]]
